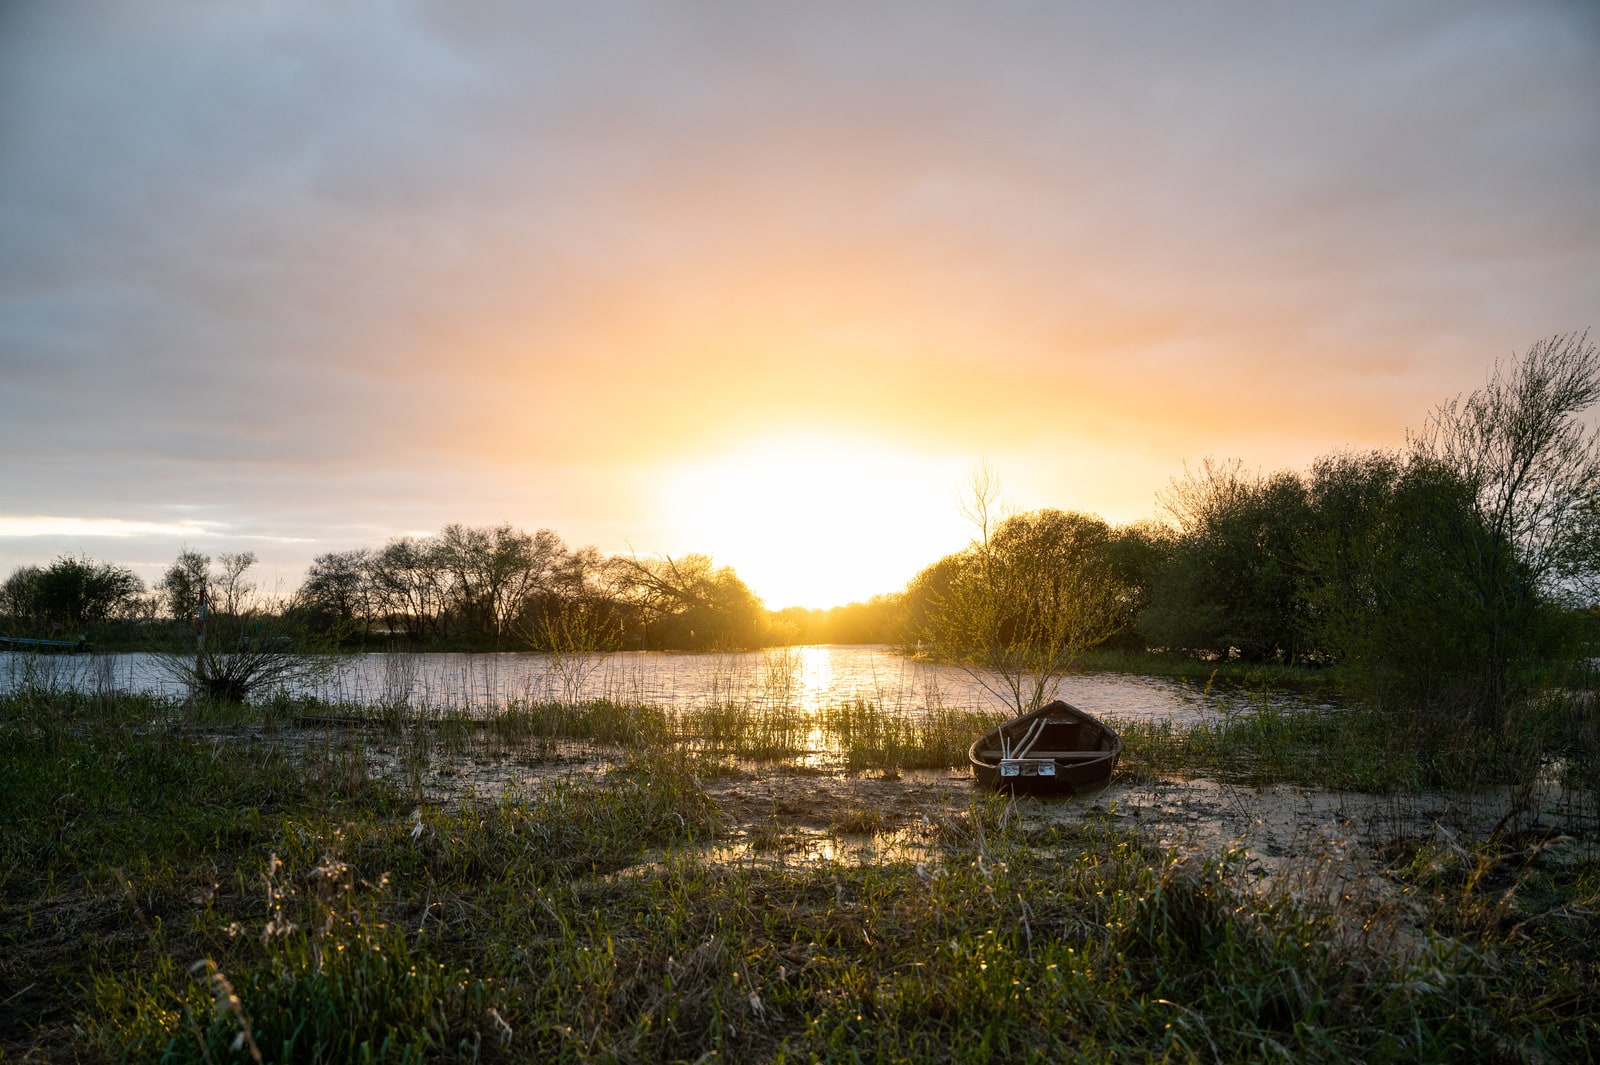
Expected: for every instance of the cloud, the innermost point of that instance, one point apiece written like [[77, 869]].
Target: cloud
[[46, 525], [285, 260]]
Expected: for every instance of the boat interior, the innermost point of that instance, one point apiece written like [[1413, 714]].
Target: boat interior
[[1067, 738]]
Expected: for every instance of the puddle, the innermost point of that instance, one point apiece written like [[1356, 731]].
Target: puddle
[[762, 846], [1278, 827]]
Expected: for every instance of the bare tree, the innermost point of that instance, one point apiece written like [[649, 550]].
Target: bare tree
[[1531, 462], [232, 589], [406, 583], [1531, 468], [495, 571], [981, 504]]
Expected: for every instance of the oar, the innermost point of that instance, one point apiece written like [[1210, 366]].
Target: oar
[[1030, 737]]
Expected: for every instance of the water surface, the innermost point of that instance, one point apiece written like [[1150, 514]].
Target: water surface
[[807, 678]]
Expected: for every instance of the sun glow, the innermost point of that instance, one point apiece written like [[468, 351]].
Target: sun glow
[[818, 520]]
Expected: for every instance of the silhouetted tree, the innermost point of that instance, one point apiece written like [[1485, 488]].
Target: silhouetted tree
[[1511, 475], [19, 595], [1387, 582], [407, 585], [338, 591], [1532, 465], [181, 584], [72, 590], [689, 602], [495, 572], [1232, 582], [231, 588]]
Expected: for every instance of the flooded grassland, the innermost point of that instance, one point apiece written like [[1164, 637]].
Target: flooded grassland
[[755, 876]]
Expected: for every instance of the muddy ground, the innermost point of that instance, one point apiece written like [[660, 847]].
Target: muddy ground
[[783, 814]]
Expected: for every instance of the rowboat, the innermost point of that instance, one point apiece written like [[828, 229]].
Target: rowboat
[[19, 643], [1056, 748]]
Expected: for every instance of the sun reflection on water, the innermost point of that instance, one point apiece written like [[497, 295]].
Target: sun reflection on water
[[816, 676]]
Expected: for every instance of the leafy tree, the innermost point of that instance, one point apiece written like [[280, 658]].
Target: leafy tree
[[925, 596], [72, 590], [1231, 584], [19, 595], [1385, 580], [1445, 574], [182, 583], [1018, 606], [1530, 467], [338, 590], [880, 619], [689, 602], [1138, 554]]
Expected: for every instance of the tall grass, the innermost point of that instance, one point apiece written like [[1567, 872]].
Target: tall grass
[[1361, 748], [868, 737], [850, 736]]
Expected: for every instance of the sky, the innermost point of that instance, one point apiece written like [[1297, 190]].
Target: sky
[[762, 281]]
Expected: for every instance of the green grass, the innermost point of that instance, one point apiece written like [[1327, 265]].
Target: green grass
[[1360, 748], [1349, 749], [177, 887], [868, 737], [1232, 673]]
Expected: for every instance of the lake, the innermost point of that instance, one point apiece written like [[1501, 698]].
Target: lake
[[807, 677]]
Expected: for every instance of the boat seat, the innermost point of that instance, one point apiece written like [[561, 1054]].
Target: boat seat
[[992, 755]]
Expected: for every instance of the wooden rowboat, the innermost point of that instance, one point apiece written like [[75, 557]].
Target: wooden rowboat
[[1056, 748]]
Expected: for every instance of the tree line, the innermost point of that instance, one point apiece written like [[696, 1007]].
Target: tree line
[[494, 587], [1448, 571], [1457, 572], [75, 592], [507, 588]]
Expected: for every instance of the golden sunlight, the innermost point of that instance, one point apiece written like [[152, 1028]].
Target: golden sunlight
[[818, 520]]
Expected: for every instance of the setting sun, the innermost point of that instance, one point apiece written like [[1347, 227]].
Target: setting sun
[[813, 520]]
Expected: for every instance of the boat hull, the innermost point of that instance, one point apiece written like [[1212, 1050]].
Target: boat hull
[[1056, 749]]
